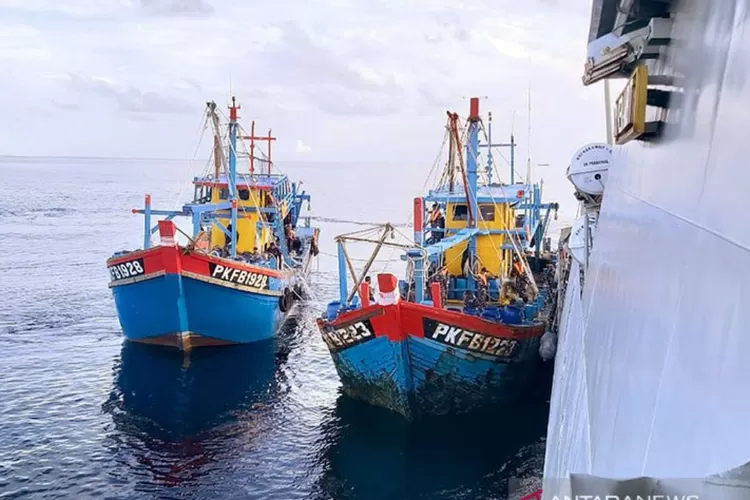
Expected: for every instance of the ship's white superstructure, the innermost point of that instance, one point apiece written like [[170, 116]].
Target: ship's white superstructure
[[653, 359]]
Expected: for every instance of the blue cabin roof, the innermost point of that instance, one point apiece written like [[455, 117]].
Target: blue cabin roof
[[257, 181], [497, 193]]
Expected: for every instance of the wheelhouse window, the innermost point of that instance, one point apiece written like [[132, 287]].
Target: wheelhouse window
[[460, 212], [487, 212], [224, 194], [244, 194]]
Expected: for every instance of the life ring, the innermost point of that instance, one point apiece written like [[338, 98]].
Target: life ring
[[285, 301]]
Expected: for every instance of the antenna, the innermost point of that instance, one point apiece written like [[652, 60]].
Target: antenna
[[528, 139]]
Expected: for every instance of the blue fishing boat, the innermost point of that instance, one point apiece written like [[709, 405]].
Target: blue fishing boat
[[463, 329], [243, 265]]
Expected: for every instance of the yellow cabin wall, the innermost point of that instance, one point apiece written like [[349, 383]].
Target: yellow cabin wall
[[246, 224], [487, 246]]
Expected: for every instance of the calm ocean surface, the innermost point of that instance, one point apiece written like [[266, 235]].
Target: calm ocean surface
[[83, 415]]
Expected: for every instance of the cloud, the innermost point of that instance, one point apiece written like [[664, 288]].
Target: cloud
[[302, 147], [127, 97], [177, 7], [66, 106], [375, 73]]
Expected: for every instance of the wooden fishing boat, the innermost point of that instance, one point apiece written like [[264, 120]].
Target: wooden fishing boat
[[208, 290], [463, 329]]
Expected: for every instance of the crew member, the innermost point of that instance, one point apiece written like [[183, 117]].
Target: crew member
[[482, 286], [508, 294], [370, 289], [443, 279], [470, 300], [255, 255], [437, 221], [228, 240]]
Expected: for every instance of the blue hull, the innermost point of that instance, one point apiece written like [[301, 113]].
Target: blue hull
[[419, 377], [184, 312]]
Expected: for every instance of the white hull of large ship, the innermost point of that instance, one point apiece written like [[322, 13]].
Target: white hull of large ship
[[654, 362]]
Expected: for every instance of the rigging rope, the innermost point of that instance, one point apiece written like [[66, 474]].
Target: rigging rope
[[353, 222]]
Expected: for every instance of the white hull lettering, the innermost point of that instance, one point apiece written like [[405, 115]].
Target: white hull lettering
[[239, 276], [466, 339], [125, 270], [348, 336]]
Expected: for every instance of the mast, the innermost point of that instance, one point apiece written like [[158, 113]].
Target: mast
[[269, 139], [233, 171], [252, 138], [512, 159], [489, 147], [451, 158], [252, 148], [472, 150], [218, 153]]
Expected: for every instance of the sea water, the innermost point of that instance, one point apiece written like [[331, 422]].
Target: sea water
[[84, 415]]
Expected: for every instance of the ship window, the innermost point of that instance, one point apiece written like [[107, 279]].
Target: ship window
[[244, 194], [487, 212], [224, 194], [520, 220], [460, 212]]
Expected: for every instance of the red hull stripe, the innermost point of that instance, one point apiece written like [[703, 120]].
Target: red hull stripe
[[174, 260], [404, 319]]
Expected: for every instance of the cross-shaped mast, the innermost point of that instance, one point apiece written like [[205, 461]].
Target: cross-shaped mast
[[252, 138]]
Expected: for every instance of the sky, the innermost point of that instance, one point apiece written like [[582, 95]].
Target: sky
[[336, 80]]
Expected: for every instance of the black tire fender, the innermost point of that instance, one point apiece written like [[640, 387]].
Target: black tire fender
[[285, 301]]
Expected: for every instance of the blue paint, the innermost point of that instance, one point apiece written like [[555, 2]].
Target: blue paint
[[147, 224], [419, 279], [419, 377], [148, 308], [230, 315], [172, 304], [512, 315], [376, 371], [343, 288], [472, 150]]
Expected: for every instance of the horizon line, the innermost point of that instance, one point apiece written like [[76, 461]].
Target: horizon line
[[152, 159]]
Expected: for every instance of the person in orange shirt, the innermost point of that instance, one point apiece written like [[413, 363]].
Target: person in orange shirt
[[437, 221], [483, 281]]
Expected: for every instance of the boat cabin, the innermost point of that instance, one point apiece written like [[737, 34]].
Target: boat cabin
[[496, 221], [255, 205], [500, 230]]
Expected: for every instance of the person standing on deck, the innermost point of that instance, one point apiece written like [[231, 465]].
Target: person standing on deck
[[228, 240], [483, 287], [370, 289], [442, 278], [518, 274], [437, 221]]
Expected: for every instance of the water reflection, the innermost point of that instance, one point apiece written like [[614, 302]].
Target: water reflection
[[175, 413], [374, 454]]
